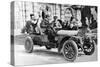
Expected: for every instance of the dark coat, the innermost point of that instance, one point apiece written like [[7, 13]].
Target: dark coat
[[67, 27]]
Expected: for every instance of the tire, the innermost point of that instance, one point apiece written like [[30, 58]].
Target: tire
[[28, 45], [48, 48], [91, 48], [70, 47]]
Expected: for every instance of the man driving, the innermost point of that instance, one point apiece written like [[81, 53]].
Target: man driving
[[31, 24], [69, 20]]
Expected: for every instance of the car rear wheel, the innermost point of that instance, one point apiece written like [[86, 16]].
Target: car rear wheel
[[70, 50], [28, 45]]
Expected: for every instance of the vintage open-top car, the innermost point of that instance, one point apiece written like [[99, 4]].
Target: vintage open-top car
[[68, 42]]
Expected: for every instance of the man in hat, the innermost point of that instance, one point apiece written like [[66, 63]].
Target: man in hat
[[31, 24]]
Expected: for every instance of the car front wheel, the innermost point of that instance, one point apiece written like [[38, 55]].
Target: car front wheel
[[70, 50]]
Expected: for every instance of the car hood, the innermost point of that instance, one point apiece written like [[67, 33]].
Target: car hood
[[67, 32]]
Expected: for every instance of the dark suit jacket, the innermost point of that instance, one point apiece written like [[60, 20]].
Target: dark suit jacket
[[67, 27]]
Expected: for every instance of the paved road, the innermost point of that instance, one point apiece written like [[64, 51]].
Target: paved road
[[42, 56]]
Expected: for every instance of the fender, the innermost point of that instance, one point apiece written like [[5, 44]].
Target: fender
[[61, 40]]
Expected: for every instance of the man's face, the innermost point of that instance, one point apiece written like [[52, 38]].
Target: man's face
[[87, 21], [78, 15], [32, 17], [68, 15], [92, 10], [55, 19]]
